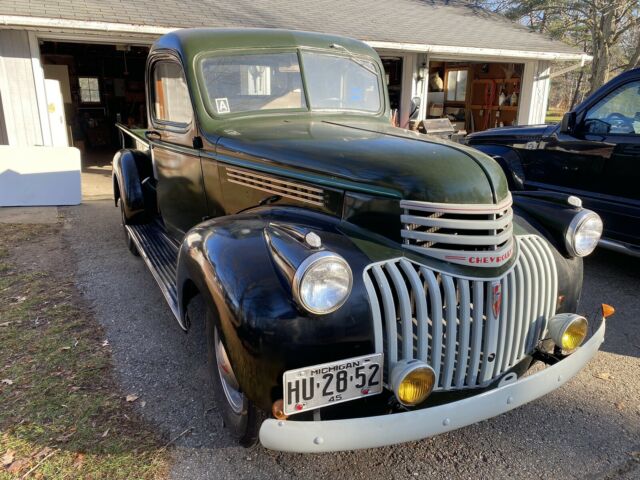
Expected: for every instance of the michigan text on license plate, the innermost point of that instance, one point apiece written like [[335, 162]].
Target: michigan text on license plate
[[329, 383]]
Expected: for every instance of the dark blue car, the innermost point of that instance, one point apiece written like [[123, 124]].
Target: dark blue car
[[594, 154]]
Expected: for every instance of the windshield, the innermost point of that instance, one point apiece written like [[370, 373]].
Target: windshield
[[341, 83], [273, 81]]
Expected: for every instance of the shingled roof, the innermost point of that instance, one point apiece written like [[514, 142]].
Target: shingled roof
[[422, 22]]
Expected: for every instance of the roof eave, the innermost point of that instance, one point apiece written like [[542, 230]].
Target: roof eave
[[147, 31]]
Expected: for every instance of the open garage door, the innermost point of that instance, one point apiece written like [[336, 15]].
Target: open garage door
[[99, 85]]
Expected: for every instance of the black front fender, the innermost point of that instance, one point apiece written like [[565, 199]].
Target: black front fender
[[510, 161], [242, 265]]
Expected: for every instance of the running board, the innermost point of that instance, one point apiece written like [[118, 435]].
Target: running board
[[160, 254]]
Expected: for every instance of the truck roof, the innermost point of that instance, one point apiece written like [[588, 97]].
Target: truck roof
[[191, 41]]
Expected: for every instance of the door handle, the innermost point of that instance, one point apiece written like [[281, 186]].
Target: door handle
[[152, 135]]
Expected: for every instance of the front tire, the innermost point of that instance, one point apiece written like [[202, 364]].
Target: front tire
[[241, 417]]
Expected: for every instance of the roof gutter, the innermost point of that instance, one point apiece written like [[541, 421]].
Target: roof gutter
[[67, 25], [75, 25], [467, 52]]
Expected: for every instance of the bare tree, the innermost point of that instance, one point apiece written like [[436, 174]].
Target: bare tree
[[607, 29], [608, 22]]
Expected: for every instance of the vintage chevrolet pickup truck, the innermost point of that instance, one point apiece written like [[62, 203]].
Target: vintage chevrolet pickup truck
[[362, 285]]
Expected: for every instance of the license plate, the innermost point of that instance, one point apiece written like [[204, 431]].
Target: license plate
[[330, 383]]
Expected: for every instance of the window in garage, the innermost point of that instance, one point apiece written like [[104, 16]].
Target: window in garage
[[89, 89]]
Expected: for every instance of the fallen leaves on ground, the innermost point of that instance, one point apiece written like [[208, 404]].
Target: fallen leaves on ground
[[56, 383], [78, 461], [8, 457], [43, 453], [18, 465]]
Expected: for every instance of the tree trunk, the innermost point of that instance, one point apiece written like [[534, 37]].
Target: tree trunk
[[634, 59], [574, 100], [601, 36]]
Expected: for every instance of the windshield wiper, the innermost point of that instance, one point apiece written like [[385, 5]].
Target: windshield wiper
[[353, 57]]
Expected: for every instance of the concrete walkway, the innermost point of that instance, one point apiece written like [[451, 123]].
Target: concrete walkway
[[29, 215]]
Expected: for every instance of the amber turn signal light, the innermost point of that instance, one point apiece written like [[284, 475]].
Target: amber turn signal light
[[607, 310], [277, 409], [412, 381], [568, 330]]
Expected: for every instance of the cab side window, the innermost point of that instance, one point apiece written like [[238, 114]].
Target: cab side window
[[617, 114], [171, 102]]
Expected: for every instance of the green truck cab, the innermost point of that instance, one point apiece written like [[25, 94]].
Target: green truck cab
[[361, 285]]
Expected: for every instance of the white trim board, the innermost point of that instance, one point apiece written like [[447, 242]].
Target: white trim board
[[41, 96]]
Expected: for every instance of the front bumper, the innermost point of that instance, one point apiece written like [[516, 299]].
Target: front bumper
[[378, 431]]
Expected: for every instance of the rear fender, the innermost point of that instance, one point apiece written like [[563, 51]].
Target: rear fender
[[130, 168], [243, 265]]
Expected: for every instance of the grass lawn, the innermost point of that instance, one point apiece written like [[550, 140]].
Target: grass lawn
[[554, 115], [61, 413]]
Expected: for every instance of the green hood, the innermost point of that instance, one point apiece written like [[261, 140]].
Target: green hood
[[371, 153]]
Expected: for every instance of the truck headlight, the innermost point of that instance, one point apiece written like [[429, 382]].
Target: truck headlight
[[322, 283], [568, 330], [584, 233]]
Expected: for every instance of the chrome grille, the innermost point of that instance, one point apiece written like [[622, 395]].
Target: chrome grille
[[276, 186], [454, 324], [466, 234]]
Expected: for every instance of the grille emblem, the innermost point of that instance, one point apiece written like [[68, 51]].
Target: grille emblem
[[496, 299]]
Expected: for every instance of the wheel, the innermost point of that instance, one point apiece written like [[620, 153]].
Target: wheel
[[130, 243], [241, 417]]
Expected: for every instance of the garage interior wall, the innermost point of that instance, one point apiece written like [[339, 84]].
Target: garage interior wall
[[18, 96]]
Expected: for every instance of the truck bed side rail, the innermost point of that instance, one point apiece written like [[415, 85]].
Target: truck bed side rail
[[132, 138]]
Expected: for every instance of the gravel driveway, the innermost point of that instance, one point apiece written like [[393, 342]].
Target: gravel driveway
[[590, 428]]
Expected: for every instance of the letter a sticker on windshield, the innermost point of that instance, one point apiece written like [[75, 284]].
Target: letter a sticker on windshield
[[222, 105]]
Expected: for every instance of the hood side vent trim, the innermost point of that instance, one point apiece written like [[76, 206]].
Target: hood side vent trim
[[276, 186]]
